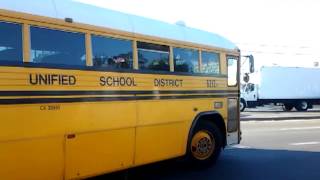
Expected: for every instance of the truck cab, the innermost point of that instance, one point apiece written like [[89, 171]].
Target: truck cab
[[248, 90], [248, 95]]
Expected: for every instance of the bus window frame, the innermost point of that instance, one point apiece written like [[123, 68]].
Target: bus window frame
[[199, 60], [90, 46], [62, 30], [88, 67], [149, 71], [238, 70], [219, 60], [22, 25]]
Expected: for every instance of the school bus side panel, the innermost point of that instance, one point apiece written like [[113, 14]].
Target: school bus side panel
[[163, 127], [161, 130], [37, 145], [90, 154], [33, 159]]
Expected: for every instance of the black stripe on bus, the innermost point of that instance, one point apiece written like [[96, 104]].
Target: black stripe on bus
[[100, 99], [111, 92]]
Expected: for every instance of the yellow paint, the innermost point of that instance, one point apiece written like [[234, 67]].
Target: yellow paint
[[26, 43], [200, 61], [159, 142], [70, 118], [135, 55], [95, 153], [223, 64], [88, 50], [32, 159], [109, 135], [171, 59]]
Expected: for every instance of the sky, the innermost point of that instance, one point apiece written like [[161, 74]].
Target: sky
[[275, 32]]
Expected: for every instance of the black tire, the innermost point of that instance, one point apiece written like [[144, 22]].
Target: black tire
[[243, 105], [217, 137], [302, 106], [287, 107]]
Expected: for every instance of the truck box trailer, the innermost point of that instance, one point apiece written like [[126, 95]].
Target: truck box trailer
[[292, 87]]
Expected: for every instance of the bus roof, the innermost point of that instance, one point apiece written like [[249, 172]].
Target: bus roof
[[92, 15]]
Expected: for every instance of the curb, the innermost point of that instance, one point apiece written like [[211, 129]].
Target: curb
[[279, 118]]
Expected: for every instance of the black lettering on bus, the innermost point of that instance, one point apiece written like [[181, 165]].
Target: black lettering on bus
[[181, 82], [33, 80], [130, 82], [109, 81], [156, 83], [211, 83], [133, 82], [163, 82], [117, 81], [172, 82], [168, 82], [43, 79], [43, 108], [65, 80], [102, 81], [122, 81], [52, 79], [72, 80]]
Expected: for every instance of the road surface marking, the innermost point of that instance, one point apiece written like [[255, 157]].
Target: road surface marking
[[277, 121], [304, 143], [300, 128]]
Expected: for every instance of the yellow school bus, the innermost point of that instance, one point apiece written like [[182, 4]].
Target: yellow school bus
[[86, 91]]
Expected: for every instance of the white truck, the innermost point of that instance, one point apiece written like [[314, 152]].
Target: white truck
[[291, 87]]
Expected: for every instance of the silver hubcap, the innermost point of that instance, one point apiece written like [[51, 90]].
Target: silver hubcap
[[204, 146]]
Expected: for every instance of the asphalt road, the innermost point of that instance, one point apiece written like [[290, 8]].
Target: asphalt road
[[286, 149]]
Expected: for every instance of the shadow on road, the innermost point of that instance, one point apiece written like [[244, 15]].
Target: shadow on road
[[234, 164]]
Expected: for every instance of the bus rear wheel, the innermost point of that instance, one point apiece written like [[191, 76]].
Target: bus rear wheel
[[205, 144]]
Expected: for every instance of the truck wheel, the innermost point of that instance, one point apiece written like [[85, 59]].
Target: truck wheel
[[302, 106], [287, 107], [243, 105], [204, 145]]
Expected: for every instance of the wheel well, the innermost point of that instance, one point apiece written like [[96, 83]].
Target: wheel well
[[212, 117], [242, 99]]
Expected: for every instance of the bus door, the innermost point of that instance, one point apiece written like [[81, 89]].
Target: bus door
[[233, 124]]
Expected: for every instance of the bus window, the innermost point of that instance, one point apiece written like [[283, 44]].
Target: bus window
[[232, 71], [186, 60], [111, 53], [10, 42], [210, 63], [50, 46], [153, 57]]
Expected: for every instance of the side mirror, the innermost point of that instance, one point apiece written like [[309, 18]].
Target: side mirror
[[251, 63]]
